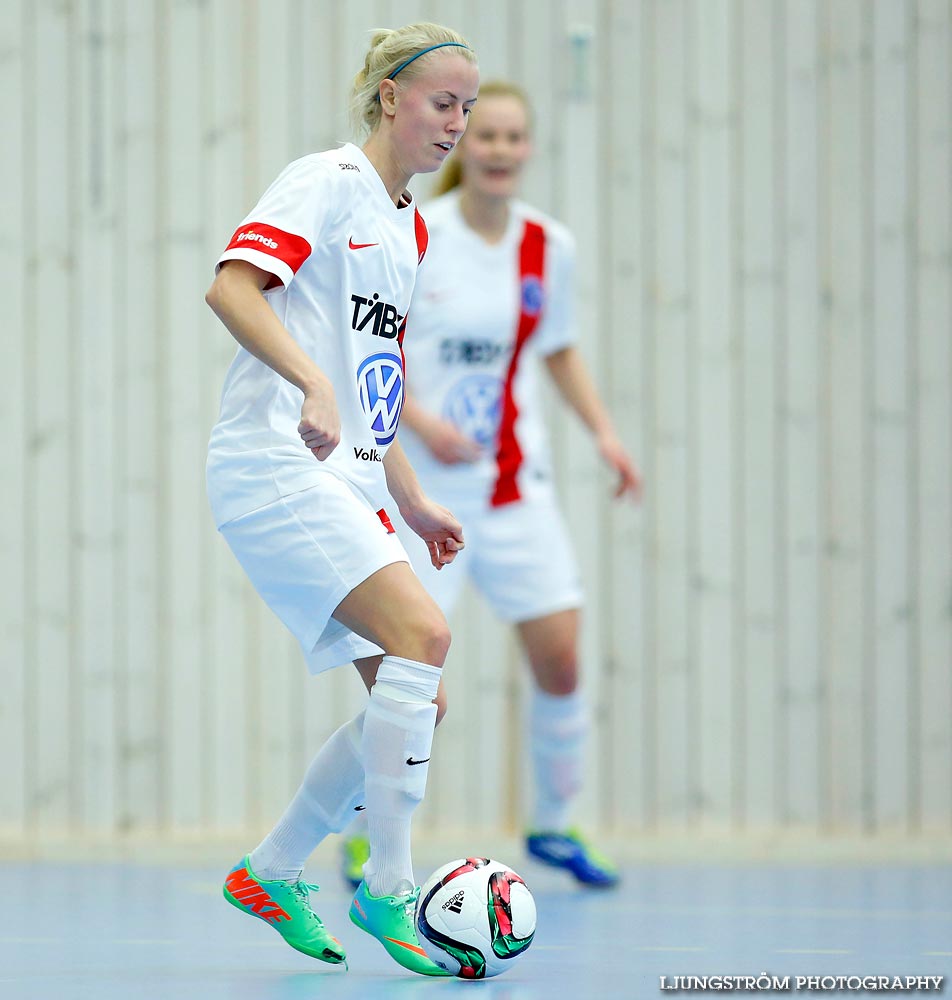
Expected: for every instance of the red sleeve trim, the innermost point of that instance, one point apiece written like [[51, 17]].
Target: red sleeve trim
[[292, 250]]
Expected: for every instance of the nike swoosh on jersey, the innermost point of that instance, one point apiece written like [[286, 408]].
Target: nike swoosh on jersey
[[411, 761], [360, 246]]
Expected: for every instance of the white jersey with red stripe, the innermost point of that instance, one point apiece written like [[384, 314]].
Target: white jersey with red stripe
[[483, 314], [344, 260]]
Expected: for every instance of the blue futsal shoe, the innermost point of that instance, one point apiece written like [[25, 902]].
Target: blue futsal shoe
[[569, 851]]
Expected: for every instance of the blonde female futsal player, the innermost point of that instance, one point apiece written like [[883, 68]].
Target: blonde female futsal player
[[493, 297], [304, 473]]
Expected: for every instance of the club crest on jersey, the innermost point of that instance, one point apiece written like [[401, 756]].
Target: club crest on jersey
[[384, 316], [533, 295], [380, 386], [474, 406]]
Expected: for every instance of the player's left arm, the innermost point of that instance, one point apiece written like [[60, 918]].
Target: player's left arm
[[575, 385], [432, 522]]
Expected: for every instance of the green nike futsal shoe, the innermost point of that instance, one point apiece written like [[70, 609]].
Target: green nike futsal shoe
[[286, 906], [390, 920]]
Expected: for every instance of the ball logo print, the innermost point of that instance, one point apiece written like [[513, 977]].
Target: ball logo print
[[380, 386], [474, 406]]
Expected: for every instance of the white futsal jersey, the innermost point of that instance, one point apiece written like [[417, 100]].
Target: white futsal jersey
[[344, 260], [482, 316]]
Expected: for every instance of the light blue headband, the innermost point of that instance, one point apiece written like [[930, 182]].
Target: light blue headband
[[422, 52]]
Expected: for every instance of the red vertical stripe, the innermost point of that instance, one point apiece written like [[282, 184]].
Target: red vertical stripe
[[531, 274], [401, 333], [422, 241], [422, 236]]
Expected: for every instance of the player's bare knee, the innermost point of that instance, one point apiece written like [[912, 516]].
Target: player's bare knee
[[561, 675], [431, 635], [563, 686], [436, 645]]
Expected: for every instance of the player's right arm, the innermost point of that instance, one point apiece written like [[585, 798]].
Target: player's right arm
[[445, 441], [236, 297]]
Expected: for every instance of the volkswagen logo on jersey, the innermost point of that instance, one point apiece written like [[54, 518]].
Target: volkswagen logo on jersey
[[380, 385], [474, 406], [533, 295]]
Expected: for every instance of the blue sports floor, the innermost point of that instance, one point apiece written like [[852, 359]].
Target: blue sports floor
[[134, 930]]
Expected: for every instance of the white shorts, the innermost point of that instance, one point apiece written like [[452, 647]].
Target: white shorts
[[519, 556], [305, 553]]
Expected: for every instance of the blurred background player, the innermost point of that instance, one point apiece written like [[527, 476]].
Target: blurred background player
[[495, 295], [303, 468]]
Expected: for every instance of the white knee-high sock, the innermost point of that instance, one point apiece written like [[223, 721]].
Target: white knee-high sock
[[558, 725], [333, 785], [398, 735]]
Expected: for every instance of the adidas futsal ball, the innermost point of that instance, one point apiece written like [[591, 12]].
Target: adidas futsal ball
[[474, 917]]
